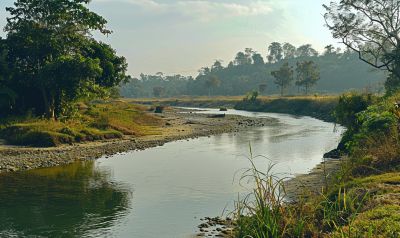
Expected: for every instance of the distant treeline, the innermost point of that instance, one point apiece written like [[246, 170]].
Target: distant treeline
[[339, 71]]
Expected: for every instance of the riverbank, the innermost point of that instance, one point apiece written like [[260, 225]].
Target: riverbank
[[175, 124], [354, 197], [320, 107]]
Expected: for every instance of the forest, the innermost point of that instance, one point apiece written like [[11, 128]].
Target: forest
[[338, 71]]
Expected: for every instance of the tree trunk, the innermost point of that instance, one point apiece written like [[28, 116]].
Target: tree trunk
[[48, 105]]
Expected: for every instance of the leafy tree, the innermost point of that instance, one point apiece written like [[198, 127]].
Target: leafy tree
[[7, 95], [307, 75], [275, 52], [249, 52], [306, 51], [242, 59], [217, 66], [370, 28], [204, 71], [262, 88], [257, 59], [289, 51], [251, 96], [211, 83], [283, 76], [337, 75], [158, 91], [329, 50], [54, 55]]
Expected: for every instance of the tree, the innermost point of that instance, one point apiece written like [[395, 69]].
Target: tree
[[242, 59], [307, 75], [249, 52], [262, 88], [54, 55], [306, 51], [283, 76], [158, 91], [211, 83], [289, 51], [204, 71], [370, 28], [329, 50], [257, 59], [275, 52], [217, 66]]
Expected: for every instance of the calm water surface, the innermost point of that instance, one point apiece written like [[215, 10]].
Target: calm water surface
[[159, 192]]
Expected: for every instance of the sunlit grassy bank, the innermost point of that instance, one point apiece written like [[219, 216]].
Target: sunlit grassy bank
[[319, 106], [94, 121]]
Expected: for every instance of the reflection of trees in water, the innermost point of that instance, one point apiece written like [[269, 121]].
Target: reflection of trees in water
[[61, 202]]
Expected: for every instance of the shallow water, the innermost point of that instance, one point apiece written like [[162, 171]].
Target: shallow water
[[159, 192]]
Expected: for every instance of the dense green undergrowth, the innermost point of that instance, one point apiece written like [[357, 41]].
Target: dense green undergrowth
[[96, 121], [363, 199]]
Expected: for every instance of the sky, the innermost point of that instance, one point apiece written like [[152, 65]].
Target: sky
[[181, 36]]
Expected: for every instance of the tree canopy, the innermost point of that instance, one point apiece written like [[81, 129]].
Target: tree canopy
[[283, 76], [370, 28], [51, 52], [307, 74], [249, 69]]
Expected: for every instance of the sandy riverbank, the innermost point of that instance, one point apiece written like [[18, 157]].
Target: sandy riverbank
[[179, 124]]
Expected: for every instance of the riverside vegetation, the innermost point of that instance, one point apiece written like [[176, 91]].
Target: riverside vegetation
[[50, 51], [95, 121], [361, 200]]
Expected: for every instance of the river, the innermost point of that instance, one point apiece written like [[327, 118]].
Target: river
[[158, 192]]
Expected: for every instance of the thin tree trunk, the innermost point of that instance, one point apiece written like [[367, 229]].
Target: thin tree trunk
[[48, 105]]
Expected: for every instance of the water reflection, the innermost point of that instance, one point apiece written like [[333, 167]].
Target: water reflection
[[70, 201], [175, 184]]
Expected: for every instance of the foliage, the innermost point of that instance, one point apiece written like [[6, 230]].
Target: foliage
[[251, 96], [349, 105], [319, 107], [261, 213], [283, 76], [96, 122], [371, 28], [307, 75], [275, 52], [247, 72], [52, 54], [158, 91], [211, 83]]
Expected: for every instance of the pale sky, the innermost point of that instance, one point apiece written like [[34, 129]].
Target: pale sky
[[181, 36]]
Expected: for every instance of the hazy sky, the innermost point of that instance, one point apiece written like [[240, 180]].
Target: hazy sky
[[181, 36]]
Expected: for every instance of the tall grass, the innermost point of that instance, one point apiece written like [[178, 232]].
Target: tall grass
[[261, 213], [97, 121], [266, 213]]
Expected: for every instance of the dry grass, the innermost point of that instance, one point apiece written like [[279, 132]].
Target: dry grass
[[96, 122], [228, 98]]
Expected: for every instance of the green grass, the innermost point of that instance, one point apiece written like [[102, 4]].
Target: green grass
[[96, 122], [361, 207]]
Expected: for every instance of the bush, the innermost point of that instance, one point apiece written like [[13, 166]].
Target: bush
[[159, 109], [27, 137]]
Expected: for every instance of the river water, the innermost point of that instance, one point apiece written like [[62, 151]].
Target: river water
[[159, 192]]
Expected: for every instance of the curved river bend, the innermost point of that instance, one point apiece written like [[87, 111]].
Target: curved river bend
[[159, 192]]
